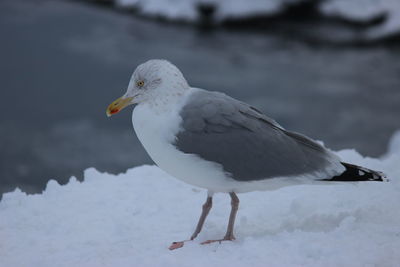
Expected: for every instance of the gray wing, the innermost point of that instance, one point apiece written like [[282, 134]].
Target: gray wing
[[249, 145]]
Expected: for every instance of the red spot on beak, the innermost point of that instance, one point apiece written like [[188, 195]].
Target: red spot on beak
[[113, 111]]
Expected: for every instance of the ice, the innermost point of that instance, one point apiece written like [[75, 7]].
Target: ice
[[130, 219]]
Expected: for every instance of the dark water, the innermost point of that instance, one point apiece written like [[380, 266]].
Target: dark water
[[61, 63]]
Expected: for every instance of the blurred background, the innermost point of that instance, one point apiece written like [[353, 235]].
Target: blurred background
[[329, 69]]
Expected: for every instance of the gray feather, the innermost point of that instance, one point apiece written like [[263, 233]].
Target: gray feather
[[249, 145]]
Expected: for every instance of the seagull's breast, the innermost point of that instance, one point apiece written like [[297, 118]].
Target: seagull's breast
[[157, 130]]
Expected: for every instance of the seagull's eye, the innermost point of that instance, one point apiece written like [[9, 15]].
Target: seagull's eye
[[140, 83]]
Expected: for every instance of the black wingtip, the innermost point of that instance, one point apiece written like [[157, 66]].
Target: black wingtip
[[354, 173]]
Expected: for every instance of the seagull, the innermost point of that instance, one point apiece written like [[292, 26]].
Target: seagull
[[213, 141]]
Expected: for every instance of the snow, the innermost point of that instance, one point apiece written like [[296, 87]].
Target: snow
[[363, 10], [394, 143], [187, 9], [357, 10], [130, 219]]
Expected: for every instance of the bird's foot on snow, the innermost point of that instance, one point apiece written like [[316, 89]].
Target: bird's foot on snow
[[178, 244], [229, 238]]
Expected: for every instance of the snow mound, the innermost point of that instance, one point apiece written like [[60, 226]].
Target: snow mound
[[394, 143], [130, 219]]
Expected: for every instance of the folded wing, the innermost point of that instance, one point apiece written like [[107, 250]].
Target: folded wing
[[249, 145]]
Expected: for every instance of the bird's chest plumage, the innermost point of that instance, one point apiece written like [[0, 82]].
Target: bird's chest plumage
[[156, 130]]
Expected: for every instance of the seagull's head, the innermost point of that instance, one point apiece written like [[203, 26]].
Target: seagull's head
[[152, 80]]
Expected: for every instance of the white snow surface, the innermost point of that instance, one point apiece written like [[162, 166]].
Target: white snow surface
[[130, 219]]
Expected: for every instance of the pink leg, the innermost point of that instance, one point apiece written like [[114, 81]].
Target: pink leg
[[206, 209], [229, 232]]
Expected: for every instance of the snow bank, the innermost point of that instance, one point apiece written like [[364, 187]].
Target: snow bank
[[352, 10], [187, 9], [130, 220], [364, 10]]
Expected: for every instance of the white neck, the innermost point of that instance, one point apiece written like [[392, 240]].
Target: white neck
[[164, 100]]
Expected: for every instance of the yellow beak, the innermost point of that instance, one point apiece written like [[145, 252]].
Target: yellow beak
[[118, 105]]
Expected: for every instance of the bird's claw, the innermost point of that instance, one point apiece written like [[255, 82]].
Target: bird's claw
[[218, 240], [178, 244]]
